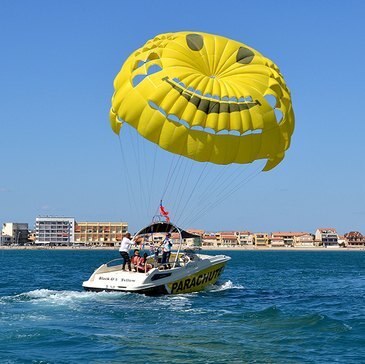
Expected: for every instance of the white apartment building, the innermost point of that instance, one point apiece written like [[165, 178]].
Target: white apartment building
[[55, 230], [14, 233], [245, 238], [328, 237]]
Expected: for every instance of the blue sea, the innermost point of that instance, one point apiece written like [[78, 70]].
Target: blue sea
[[268, 307]]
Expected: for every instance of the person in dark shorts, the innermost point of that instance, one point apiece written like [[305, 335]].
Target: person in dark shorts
[[166, 251], [125, 246]]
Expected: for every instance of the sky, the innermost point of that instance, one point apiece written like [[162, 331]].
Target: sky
[[59, 156]]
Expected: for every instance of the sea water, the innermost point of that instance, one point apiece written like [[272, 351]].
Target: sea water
[[268, 307]]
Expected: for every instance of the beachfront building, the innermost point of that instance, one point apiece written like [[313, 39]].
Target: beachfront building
[[305, 240], [292, 239], [282, 239], [228, 239], [209, 239], [5, 239], [190, 241], [245, 238], [328, 237], [218, 238], [193, 241], [51, 230], [354, 239], [157, 239], [277, 242], [100, 233], [261, 240], [14, 233]]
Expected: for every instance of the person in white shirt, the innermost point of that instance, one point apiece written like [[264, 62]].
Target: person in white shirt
[[166, 250], [125, 246]]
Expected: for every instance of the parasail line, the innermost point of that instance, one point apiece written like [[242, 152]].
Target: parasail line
[[223, 197], [192, 192], [129, 187]]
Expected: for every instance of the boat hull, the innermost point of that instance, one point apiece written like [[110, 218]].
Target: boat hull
[[197, 281], [191, 278]]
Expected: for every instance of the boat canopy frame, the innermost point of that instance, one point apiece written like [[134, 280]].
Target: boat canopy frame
[[166, 227]]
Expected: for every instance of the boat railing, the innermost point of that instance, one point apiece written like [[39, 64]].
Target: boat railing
[[110, 263], [176, 260]]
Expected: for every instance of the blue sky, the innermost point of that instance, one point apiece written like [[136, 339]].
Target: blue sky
[[59, 156]]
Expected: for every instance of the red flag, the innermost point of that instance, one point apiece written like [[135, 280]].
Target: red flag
[[164, 213]]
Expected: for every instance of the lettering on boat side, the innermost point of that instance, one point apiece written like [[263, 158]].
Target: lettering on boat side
[[127, 280], [115, 279], [202, 279]]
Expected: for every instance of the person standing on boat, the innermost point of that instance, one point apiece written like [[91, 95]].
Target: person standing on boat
[[166, 251], [155, 251], [125, 246]]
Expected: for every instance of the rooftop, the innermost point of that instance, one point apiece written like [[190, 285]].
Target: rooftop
[[289, 233]]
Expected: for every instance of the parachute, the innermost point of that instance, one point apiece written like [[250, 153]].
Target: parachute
[[206, 98]]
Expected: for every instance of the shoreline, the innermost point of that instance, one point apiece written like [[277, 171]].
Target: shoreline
[[208, 248]]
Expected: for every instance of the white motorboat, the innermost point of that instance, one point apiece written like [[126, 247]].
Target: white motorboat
[[186, 272]]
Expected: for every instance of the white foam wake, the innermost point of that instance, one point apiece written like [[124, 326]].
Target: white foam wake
[[224, 286], [59, 298]]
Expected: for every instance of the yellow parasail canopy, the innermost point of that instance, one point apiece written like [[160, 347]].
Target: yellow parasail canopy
[[205, 97]]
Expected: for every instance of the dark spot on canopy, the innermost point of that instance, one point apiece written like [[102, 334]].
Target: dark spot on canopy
[[195, 41], [244, 55]]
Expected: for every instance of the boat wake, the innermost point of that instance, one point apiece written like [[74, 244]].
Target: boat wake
[[68, 298], [60, 298], [224, 286]]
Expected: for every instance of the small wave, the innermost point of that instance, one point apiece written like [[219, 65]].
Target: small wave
[[325, 323], [224, 286], [273, 317], [267, 313], [180, 302], [177, 300], [27, 336], [317, 321], [39, 293], [181, 297], [58, 297]]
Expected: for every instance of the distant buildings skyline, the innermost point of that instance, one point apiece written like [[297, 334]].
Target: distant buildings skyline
[[63, 231]]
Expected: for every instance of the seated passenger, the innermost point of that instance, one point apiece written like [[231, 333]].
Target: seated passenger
[[136, 259], [143, 266]]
